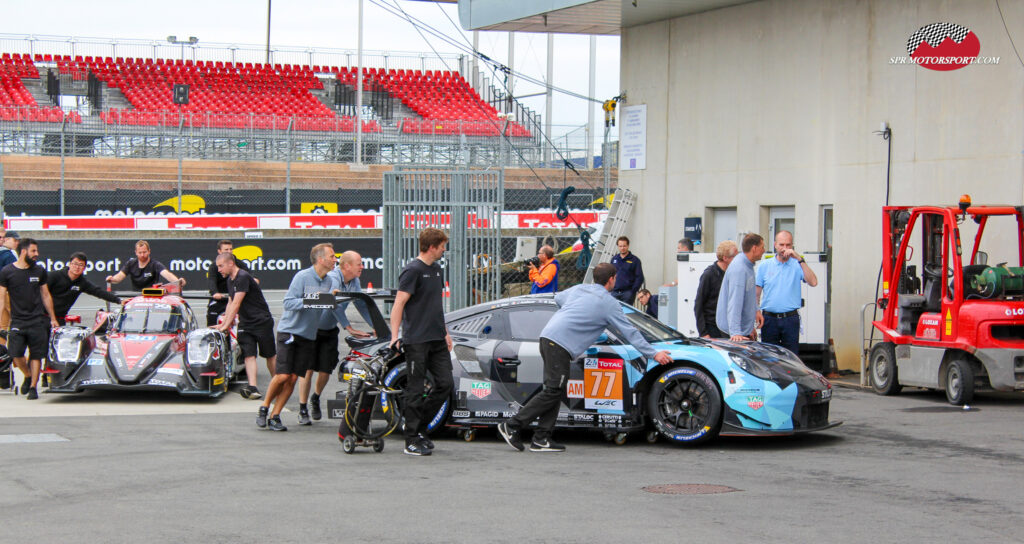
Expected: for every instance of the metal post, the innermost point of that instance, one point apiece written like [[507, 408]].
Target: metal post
[[511, 67], [179, 182], [63, 124], [288, 171], [359, 90], [605, 165], [268, 32], [590, 106], [475, 74], [2, 210], [547, 97]]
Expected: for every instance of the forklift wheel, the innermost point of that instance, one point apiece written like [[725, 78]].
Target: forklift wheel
[[959, 382], [884, 378]]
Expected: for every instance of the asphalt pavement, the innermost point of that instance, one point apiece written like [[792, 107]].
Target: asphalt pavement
[[158, 468]]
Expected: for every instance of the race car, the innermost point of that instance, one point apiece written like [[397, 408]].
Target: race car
[[712, 387], [152, 343]]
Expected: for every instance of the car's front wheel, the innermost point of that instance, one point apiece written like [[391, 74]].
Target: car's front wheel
[[685, 405]]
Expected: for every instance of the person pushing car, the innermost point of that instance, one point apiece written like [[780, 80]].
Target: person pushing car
[[584, 312]]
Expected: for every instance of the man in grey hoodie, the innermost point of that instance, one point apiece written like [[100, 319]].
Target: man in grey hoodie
[[584, 312]]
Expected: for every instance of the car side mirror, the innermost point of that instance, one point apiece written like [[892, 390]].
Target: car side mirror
[[981, 258]]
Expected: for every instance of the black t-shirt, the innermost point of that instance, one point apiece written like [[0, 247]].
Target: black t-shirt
[[423, 317], [254, 309], [218, 283], [24, 288], [145, 276], [65, 291]]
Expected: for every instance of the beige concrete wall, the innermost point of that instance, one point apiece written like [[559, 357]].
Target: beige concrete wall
[[774, 103]]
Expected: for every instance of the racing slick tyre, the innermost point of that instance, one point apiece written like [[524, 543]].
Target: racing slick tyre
[[397, 377], [685, 405], [959, 382], [884, 378]]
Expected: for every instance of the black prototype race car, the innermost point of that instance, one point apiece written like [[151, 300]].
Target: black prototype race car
[[712, 387]]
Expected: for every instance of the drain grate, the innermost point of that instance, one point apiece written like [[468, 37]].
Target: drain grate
[[689, 489]]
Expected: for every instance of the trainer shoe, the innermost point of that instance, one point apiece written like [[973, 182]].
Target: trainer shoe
[[511, 436], [314, 407], [32, 395], [546, 445], [261, 417], [416, 448], [304, 417], [254, 393], [275, 424], [244, 391], [426, 441], [26, 384]]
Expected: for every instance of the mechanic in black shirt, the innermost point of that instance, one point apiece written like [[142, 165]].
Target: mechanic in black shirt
[[419, 310], [255, 322], [65, 286], [143, 271], [25, 281], [219, 284]]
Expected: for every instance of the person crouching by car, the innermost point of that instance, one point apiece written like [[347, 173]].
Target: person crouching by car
[[544, 271], [584, 312], [647, 302]]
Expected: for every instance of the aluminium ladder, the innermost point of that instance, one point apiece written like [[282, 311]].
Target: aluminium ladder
[[614, 226]]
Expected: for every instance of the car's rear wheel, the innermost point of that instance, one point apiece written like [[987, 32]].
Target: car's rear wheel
[[884, 378], [398, 378], [685, 405], [959, 382]]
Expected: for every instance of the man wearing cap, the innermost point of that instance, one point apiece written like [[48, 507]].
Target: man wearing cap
[[7, 254]]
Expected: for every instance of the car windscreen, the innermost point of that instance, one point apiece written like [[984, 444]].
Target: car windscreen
[[650, 328], [149, 318]]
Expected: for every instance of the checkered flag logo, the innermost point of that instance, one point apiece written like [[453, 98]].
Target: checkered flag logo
[[934, 34]]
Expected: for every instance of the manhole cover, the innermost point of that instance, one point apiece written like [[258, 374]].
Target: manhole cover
[[689, 489]]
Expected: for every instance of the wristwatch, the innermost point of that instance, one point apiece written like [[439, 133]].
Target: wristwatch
[[802, 260]]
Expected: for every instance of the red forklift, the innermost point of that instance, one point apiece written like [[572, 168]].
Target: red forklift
[[959, 327]]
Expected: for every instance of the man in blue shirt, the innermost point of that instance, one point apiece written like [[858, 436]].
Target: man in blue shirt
[[736, 314], [344, 279], [296, 334], [584, 312], [778, 293], [629, 273]]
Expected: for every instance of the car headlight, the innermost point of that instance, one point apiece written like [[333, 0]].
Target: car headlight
[[751, 366], [200, 349], [69, 348]]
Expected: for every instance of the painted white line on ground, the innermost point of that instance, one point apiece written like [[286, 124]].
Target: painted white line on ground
[[31, 438]]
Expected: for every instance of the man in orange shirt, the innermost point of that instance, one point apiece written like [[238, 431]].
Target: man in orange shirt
[[545, 275]]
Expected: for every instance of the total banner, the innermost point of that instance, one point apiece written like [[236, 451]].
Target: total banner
[[274, 261]]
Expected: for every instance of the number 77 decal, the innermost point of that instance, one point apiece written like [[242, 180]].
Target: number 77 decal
[[602, 381]]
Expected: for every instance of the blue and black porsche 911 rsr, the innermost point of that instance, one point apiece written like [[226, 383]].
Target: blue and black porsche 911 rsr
[[712, 387]]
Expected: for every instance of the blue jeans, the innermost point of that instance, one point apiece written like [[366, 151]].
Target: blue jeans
[[782, 331]]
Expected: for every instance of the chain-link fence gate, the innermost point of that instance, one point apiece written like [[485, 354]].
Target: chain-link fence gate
[[465, 203]]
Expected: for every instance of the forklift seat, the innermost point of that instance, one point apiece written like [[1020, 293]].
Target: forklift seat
[[911, 307], [933, 295]]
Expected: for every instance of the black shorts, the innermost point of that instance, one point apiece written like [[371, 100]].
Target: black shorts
[[257, 340], [34, 337], [295, 354], [326, 350]]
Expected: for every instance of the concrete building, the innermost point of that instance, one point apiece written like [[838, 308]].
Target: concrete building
[[766, 114]]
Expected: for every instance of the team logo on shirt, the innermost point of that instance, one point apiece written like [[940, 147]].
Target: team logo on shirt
[[75, 288], [33, 279]]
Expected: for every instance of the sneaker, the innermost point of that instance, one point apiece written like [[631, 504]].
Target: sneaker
[[416, 448], [261, 417], [32, 395], [511, 436], [26, 384], [275, 424], [244, 391], [314, 407], [546, 445], [426, 441], [304, 417], [254, 393]]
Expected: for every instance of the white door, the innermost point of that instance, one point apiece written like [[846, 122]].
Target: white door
[[779, 218], [724, 220]]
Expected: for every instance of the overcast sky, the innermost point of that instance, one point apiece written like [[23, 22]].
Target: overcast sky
[[326, 24]]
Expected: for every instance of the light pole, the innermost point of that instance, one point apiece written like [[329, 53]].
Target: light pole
[[192, 40]]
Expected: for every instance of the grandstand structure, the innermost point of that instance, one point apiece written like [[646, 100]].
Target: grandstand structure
[[113, 98]]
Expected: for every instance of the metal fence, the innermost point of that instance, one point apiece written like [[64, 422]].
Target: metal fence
[[467, 204]]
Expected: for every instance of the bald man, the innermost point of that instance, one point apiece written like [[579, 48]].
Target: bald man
[[345, 279], [778, 293]]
